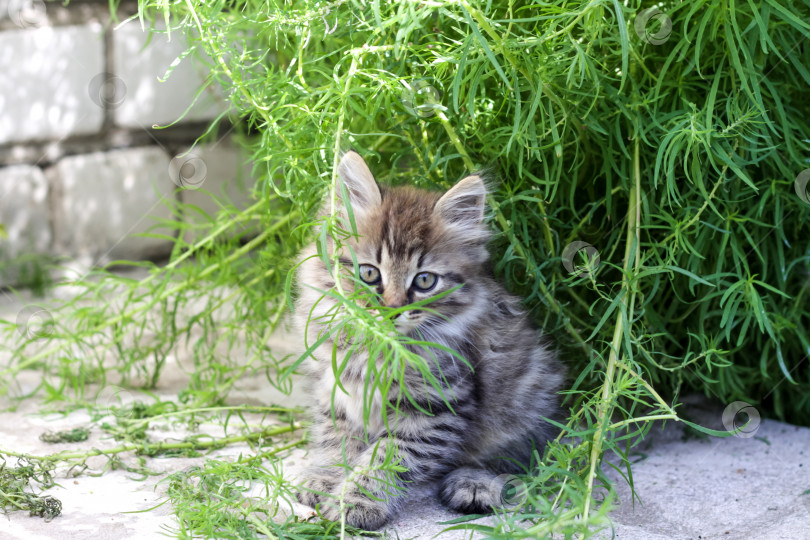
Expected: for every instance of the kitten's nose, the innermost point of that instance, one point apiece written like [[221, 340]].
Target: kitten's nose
[[395, 302]]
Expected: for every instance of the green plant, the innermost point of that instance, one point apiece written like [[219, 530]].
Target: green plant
[[16, 492], [674, 155], [27, 271]]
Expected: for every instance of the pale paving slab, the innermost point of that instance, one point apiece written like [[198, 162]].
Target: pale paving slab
[[718, 488]]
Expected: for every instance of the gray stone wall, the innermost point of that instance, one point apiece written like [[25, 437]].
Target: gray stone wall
[[83, 167]]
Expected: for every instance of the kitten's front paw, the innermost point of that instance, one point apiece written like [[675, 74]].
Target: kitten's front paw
[[318, 483], [361, 511], [471, 491]]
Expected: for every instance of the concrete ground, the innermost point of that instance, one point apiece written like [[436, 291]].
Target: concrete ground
[[687, 487], [718, 488]]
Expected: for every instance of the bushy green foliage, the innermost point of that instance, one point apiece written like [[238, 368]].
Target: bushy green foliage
[[668, 136], [700, 107]]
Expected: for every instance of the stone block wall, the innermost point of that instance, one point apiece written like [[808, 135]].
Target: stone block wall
[[83, 167]]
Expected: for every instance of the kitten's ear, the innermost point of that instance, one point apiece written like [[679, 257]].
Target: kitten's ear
[[464, 204], [364, 194]]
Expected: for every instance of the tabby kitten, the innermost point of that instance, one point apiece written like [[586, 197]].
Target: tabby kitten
[[411, 245]]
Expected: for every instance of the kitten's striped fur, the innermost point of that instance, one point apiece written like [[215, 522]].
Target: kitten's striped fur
[[497, 407]]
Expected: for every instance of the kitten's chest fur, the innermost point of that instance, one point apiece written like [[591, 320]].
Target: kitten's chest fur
[[349, 405], [361, 409]]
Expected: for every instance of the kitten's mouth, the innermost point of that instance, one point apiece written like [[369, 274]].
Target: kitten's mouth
[[405, 324]]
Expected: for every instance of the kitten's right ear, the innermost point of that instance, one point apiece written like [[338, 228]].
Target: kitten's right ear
[[354, 174], [464, 204]]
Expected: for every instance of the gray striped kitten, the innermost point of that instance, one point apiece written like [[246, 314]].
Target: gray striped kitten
[[412, 245]]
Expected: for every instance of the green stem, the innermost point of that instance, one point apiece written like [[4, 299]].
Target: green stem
[[646, 385], [632, 244], [649, 418], [333, 187], [545, 529], [148, 448], [239, 408], [270, 453], [261, 527], [10, 498]]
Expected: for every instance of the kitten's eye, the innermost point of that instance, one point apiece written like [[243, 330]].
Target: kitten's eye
[[369, 274], [424, 281]]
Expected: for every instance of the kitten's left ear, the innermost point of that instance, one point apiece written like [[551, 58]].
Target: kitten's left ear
[[363, 191], [464, 204]]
